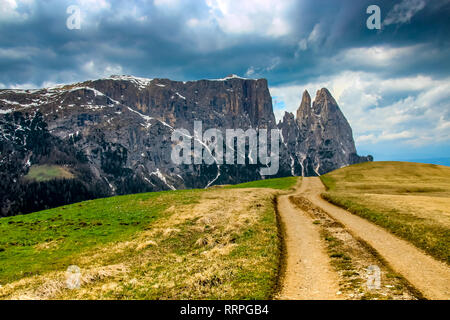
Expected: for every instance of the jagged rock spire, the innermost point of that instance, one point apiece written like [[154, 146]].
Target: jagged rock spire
[[306, 99], [320, 139], [324, 102], [305, 106]]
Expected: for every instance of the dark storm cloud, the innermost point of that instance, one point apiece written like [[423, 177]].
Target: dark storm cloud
[[402, 69], [142, 38]]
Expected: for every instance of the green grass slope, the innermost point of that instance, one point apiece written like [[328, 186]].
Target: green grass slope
[[192, 244], [275, 183], [48, 172], [72, 229]]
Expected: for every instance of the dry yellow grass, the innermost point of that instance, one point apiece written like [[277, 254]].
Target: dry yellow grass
[[225, 246], [433, 208], [412, 200]]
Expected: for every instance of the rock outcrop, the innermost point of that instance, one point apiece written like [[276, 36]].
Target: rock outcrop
[[320, 139]]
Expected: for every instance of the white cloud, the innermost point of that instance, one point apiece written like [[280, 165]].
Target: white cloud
[[25, 52], [290, 95], [193, 23], [166, 3], [94, 70], [265, 17], [253, 71], [250, 72], [416, 115], [313, 40], [127, 11], [416, 83], [9, 10], [404, 11], [303, 45], [378, 56], [94, 5], [316, 34], [13, 53], [385, 136], [366, 138]]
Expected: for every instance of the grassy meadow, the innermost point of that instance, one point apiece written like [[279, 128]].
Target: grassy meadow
[[189, 244], [48, 172], [412, 200], [275, 183]]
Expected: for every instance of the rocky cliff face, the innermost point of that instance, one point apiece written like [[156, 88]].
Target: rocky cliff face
[[119, 131], [319, 139]]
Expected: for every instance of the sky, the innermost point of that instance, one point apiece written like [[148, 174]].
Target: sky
[[393, 83]]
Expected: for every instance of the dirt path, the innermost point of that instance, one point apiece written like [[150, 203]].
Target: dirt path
[[428, 275], [308, 274]]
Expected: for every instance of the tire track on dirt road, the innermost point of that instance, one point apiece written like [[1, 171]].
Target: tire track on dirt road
[[308, 273], [429, 276]]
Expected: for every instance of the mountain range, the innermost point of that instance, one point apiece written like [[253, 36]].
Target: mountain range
[[114, 137]]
